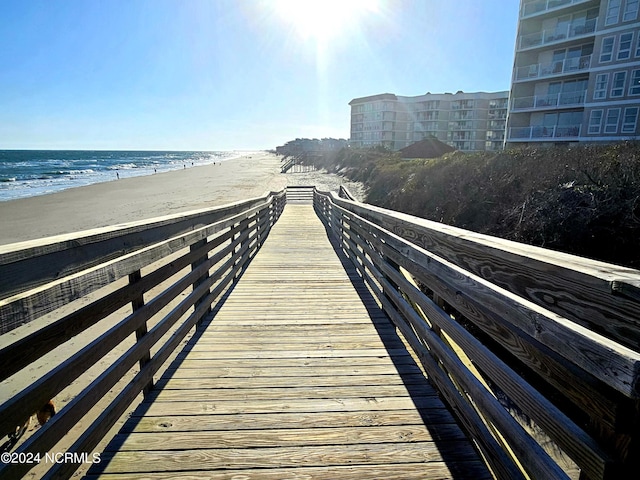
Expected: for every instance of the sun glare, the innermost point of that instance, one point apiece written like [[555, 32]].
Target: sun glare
[[323, 20]]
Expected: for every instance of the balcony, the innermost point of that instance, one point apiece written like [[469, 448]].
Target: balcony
[[462, 116], [553, 101], [462, 126], [544, 37], [497, 115], [564, 132], [562, 67], [463, 105], [536, 7], [495, 138]]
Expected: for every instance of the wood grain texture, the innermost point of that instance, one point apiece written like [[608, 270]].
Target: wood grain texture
[[599, 295], [575, 353], [298, 373], [409, 471]]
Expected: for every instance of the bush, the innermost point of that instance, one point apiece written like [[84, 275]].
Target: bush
[[583, 200]]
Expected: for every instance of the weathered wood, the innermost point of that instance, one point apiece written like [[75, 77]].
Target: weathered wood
[[308, 420], [576, 361], [409, 471], [195, 369], [289, 392], [298, 456], [24, 307], [34, 396], [26, 350], [23, 404], [611, 362], [290, 437], [571, 438], [47, 437], [576, 288], [500, 463], [26, 265], [585, 390], [141, 331], [101, 425], [296, 385], [253, 382]]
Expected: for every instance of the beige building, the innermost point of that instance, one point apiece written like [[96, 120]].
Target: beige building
[[466, 121], [576, 72]]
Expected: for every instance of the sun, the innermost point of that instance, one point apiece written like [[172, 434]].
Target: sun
[[323, 20]]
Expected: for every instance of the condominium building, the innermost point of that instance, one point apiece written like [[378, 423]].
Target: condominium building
[[466, 121], [576, 72]]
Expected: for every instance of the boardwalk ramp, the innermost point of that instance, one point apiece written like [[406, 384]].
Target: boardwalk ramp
[[303, 334], [299, 375]]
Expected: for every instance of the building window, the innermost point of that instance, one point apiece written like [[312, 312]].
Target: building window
[[595, 121], [630, 10], [613, 116], [634, 87], [606, 53], [617, 84], [613, 12], [624, 50], [602, 79], [630, 120]]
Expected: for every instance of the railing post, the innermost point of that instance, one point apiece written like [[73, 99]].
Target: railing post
[[136, 304], [237, 248], [199, 280]]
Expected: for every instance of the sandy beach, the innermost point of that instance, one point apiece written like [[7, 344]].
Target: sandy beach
[[132, 199]]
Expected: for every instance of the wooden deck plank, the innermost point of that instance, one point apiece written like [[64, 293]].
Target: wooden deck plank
[[285, 437], [245, 421], [287, 392], [408, 471], [299, 375], [269, 457], [264, 382]]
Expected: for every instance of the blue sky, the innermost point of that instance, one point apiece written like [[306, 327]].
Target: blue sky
[[231, 74]]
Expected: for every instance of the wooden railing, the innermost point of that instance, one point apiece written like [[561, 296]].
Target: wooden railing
[[141, 286], [497, 325], [513, 336]]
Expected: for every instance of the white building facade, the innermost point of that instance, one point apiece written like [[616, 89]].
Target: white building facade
[[466, 121], [576, 74]]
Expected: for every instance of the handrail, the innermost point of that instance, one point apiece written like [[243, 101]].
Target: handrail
[[546, 330], [30, 264], [177, 268]]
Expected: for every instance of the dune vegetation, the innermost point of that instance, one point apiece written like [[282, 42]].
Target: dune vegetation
[[581, 199]]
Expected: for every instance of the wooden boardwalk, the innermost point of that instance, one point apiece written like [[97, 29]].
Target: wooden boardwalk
[[299, 375]]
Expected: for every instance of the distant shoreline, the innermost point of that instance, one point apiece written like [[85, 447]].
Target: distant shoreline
[[140, 197], [30, 173], [143, 197]]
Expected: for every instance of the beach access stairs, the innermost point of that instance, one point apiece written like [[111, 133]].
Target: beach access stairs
[[304, 334]]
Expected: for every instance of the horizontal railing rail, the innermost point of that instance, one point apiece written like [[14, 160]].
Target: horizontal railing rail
[[502, 327], [28, 265], [143, 285]]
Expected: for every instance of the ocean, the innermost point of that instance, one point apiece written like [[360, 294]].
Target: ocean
[[27, 173]]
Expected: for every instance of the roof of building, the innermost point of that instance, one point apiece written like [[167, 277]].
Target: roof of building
[[428, 148], [371, 98]]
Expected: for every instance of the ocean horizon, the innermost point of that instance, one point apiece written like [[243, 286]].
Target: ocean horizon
[[29, 173]]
